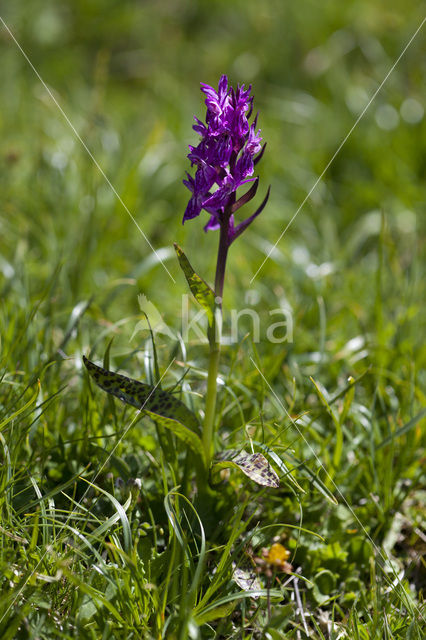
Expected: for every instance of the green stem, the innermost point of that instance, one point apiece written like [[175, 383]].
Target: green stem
[[211, 399], [214, 334]]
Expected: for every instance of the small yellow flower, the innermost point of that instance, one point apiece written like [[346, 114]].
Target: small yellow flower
[[274, 559], [276, 556]]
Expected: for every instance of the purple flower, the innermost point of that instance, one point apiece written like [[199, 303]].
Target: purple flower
[[224, 158]]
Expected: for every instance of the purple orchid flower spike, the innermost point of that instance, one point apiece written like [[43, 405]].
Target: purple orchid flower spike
[[225, 158]]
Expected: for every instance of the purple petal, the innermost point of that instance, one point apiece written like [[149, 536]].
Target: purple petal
[[205, 178], [220, 197], [193, 209], [223, 150], [216, 102], [200, 127], [243, 225], [244, 166], [253, 145], [190, 183], [213, 223], [249, 195]]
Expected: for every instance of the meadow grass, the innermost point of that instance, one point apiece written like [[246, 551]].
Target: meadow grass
[[102, 532]]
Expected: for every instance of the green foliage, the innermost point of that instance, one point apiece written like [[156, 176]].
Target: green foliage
[[199, 288], [102, 533]]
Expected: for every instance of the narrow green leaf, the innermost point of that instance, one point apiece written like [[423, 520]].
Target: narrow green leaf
[[76, 314], [227, 552], [316, 482], [324, 397], [338, 447], [176, 517], [53, 492], [199, 288], [222, 611], [404, 429], [96, 595], [349, 397], [107, 353], [44, 528], [19, 411], [121, 513], [240, 595], [85, 541], [254, 465]]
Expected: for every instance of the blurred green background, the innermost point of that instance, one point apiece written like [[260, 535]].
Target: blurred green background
[[127, 76], [350, 267]]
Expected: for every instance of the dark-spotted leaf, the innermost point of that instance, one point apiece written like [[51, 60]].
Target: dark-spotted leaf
[[199, 288], [142, 396], [160, 405], [254, 465], [247, 579]]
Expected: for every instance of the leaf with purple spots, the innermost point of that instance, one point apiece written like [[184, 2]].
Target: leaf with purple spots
[[160, 405], [253, 465], [199, 288], [247, 579]]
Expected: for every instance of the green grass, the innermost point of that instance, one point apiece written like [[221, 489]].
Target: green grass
[[102, 532]]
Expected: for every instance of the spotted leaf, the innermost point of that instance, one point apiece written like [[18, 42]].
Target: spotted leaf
[[151, 400], [247, 579], [254, 465], [199, 288]]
